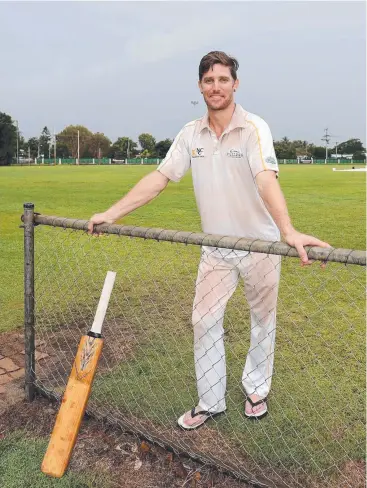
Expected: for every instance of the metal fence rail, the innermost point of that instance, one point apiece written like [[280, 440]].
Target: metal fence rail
[[314, 433]]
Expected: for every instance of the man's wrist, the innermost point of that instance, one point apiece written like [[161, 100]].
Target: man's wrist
[[111, 216], [289, 230]]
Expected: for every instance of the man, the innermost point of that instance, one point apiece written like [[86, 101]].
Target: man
[[234, 169]]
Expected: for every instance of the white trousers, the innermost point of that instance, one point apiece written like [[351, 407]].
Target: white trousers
[[217, 279]]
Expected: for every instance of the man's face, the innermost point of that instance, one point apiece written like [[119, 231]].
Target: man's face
[[217, 86]]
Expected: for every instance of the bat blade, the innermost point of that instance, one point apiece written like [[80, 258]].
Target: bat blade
[[77, 392], [72, 407]]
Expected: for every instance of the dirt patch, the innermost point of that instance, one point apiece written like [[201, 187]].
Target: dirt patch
[[11, 369], [127, 461], [208, 442], [61, 349], [52, 358]]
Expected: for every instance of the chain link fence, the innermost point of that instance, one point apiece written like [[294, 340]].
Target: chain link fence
[[166, 334]]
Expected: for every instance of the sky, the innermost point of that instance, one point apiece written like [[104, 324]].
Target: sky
[[123, 68]]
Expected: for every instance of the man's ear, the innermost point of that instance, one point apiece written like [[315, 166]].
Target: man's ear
[[236, 84], [199, 85]]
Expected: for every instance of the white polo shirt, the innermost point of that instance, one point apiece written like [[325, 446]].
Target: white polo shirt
[[223, 173]]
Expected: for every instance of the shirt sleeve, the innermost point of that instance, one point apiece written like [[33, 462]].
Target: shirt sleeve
[[177, 161], [260, 149]]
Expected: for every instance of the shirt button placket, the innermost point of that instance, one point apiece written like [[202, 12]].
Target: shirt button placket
[[216, 146]]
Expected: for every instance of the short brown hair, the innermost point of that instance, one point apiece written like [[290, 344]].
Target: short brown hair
[[218, 57]]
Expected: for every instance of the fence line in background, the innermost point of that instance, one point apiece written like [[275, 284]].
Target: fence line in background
[[156, 161]]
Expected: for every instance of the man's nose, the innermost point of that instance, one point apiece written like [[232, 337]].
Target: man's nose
[[216, 85]]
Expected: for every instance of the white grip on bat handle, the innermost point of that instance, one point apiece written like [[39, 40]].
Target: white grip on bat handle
[[103, 302]]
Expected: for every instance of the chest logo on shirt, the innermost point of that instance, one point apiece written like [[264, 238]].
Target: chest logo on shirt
[[198, 152], [234, 153]]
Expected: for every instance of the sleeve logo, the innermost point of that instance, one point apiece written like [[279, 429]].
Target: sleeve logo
[[270, 160]]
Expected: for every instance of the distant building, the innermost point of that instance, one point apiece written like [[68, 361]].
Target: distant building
[[305, 159], [341, 156]]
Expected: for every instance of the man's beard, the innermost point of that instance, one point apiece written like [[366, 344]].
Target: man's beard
[[223, 106]]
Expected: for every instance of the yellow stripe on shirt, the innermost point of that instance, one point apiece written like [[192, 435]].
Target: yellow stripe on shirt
[[258, 140]]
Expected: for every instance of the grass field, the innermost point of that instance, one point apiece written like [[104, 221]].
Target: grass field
[[326, 204], [320, 356], [24, 454]]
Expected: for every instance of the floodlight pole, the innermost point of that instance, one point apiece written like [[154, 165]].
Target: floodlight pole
[[54, 146], [78, 147], [326, 138], [17, 142]]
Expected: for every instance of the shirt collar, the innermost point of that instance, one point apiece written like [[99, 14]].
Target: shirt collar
[[238, 120]]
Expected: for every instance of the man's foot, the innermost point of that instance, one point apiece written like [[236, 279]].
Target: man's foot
[[255, 407], [195, 418]]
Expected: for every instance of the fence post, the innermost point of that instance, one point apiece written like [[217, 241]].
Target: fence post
[[29, 336]]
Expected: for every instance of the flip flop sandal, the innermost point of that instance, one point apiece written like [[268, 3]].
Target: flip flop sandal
[[259, 415], [205, 416]]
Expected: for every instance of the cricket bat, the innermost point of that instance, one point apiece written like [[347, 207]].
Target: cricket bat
[[77, 391]]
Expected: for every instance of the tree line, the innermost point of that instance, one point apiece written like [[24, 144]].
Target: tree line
[[287, 149], [76, 141]]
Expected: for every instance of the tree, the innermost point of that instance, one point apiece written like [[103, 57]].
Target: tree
[[99, 145], [284, 149], [8, 139], [359, 155], [301, 148], [22, 143], [123, 148], [145, 154], [68, 139], [44, 142], [318, 152], [32, 144], [147, 143], [162, 148], [351, 146]]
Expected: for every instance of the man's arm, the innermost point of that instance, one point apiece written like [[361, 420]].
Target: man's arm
[[274, 200], [143, 192]]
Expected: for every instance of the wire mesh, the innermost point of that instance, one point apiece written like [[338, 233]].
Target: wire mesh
[[183, 316]]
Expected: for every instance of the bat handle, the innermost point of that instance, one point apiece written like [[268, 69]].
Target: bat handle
[[103, 303]]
